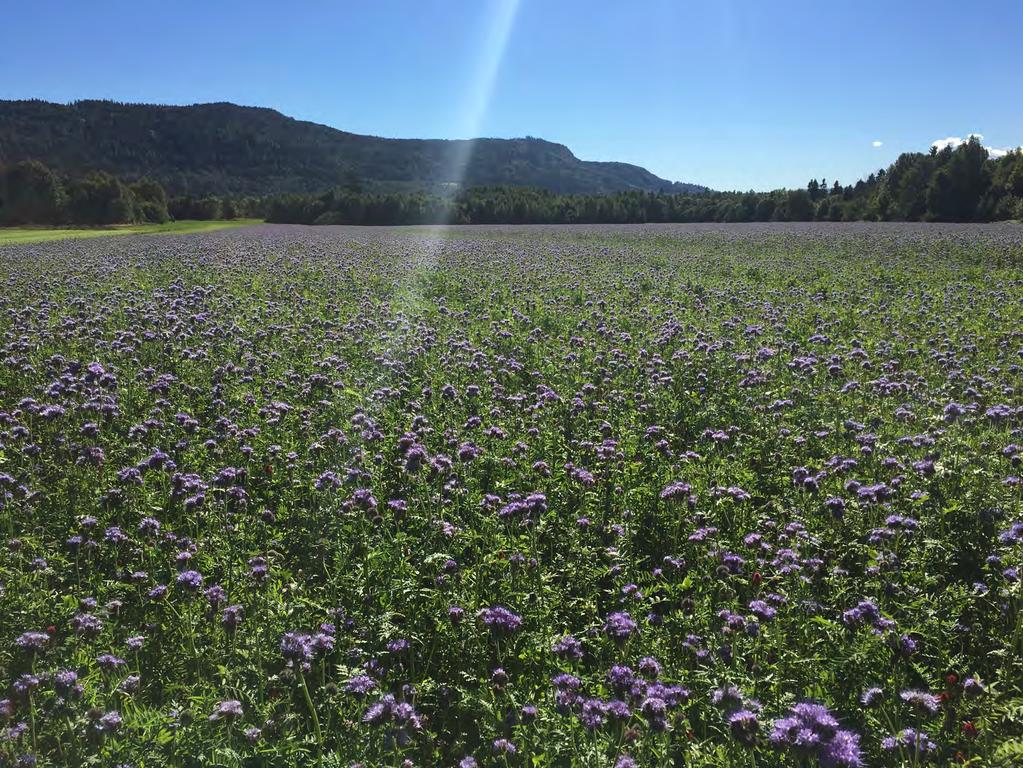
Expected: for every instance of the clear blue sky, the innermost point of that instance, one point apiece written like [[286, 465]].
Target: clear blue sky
[[728, 93]]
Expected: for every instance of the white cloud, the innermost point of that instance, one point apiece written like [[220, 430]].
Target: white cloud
[[955, 141], [876, 143], [951, 141], [997, 152]]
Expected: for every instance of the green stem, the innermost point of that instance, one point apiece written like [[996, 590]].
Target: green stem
[[313, 715]]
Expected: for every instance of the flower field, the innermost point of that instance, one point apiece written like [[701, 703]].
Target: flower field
[[542, 496]]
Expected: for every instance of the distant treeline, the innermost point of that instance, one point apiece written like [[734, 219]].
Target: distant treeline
[[954, 184], [960, 184], [31, 193]]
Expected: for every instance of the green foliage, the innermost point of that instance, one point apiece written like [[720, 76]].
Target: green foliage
[[349, 434], [150, 201], [394, 182], [798, 206], [955, 185], [959, 184], [228, 150], [29, 193], [36, 234], [203, 208], [99, 198]]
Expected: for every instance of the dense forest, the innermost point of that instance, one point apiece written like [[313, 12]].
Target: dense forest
[[954, 184], [31, 193], [226, 149]]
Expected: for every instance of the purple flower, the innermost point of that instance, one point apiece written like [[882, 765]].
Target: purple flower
[[190, 580], [567, 690], [835, 505], [232, 617], [672, 695], [227, 710], [649, 667], [953, 411], [295, 646], [655, 710], [360, 685], [843, 751], [566, 682], [149, 526], [679, 491], [25, 684], [215, 596], [871, 697], [108, 662], [620, 625], [65, 682], [922, 701], [86, 624], [620, 677], [762, 610], [402, 718], [810, 729], [130, 684], [33, 642], [500, 620], [592, 714], [109, 723], [568, 647], [258, 568], [327, 480], [973, 687], [727, 697], [744, 726], [504, 747], [377, 713], [913, 741]]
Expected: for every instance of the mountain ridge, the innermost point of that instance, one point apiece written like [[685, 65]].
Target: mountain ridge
[[228, 149]]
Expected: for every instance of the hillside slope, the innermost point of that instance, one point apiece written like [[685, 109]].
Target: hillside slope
[[224, 148]]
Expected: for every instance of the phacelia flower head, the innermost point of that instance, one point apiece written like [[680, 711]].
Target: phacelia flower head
[[744, 726], [229, 709], [500, 620], [811, 730], [620, 625]]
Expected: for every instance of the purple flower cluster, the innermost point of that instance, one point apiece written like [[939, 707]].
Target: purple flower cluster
[[500, 620], [810, 730]]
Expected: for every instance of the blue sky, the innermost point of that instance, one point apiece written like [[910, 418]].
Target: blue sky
[[728, 93]]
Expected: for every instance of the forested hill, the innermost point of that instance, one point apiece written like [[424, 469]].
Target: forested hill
[[226, 149]]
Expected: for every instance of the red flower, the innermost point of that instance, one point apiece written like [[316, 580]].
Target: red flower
[[969, 730], [51, 630], [757, 578], [951, 678], [943, 697]]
